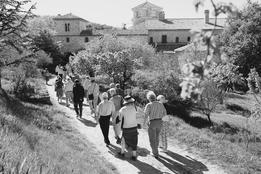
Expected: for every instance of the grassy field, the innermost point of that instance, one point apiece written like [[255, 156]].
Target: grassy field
[[38, 138], [224, 143]]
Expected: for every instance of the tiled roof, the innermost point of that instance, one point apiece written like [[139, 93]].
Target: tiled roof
[[121, 32], [68, 16], [181, 24], [148, 4]]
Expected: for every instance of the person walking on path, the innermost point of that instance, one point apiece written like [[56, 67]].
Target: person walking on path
[[85, 83], [59, 70], [68, 89], [112, 85], [119, 91], [129, 127], [59, 88], [118, 103], [165, 125], [78, 95], [93, 94], [104, 112], [154, 111]]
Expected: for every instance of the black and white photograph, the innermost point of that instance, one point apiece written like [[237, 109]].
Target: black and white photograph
[[130, 86]]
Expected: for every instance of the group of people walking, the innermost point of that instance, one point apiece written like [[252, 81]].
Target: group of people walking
[[120, 109]]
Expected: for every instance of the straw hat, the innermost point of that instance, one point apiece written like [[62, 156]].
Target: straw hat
[[128, 99]]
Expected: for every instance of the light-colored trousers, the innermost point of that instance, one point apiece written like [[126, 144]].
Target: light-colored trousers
[[163, 135], [154, 132]]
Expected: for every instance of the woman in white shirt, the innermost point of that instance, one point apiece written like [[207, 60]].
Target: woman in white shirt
[[104, 112], [129, 127]]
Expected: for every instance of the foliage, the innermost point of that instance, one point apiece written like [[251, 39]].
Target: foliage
[[160, 82], [226, 76], [44, 41], [40, 24], [13, 32], [209, 98], [241, 39], [43, 60], [84, 63], [20, 80], [118, 65]]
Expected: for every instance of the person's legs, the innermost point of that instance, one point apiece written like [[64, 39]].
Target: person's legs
[[95, 101], [163, 136], [76, 108], [67, 98], [80, 107], [104, 124], [91, 106], [152, 137], [158, 126]]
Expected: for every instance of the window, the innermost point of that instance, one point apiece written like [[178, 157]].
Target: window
[[188, 39], [147, 12], [137, 14], [164, 38], [67, 39], [177, 39], [86, 39], [67, 27]]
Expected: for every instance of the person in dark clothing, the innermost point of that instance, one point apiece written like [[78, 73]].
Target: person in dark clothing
[[119, 91], [78, 95]]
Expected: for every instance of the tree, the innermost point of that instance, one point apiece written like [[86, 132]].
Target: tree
[[40, 24], [241, 39], [44, 41], [119, 65], [209, 98], [13, 31]]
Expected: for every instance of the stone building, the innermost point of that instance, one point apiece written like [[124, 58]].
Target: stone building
[[149, 26]]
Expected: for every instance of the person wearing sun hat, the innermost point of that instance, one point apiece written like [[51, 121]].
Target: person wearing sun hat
[[163, 143], [154, 111], [129, 127], [104, 112]]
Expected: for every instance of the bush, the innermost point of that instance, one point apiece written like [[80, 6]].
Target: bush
[[163, 83]]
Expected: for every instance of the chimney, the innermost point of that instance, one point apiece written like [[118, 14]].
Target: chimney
[[206, 16]]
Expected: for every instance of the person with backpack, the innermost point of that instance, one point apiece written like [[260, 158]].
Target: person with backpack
[[59, 88], [118, 103], [78, 95]]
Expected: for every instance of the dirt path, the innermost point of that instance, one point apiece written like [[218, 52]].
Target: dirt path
[[177, 160]]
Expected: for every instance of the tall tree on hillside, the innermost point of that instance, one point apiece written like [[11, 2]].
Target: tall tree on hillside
[[242, 38], [13, 33]]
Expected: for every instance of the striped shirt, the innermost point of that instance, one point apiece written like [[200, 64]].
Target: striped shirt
[[154, 110]]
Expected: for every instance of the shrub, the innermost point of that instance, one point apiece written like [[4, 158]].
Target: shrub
[[160, 82]]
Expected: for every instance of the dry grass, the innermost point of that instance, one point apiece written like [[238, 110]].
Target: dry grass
[[221, 145], [42, 136]]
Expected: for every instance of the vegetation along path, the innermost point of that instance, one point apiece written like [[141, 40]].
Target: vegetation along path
[[176, 160]]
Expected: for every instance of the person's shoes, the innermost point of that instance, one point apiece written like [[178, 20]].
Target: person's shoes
[[118, 140], [134, 158], [121, 155]]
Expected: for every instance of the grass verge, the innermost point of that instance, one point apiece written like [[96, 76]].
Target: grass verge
[[220, 144], [38, 138]]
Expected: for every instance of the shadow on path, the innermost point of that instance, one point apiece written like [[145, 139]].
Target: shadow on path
[[87, 122], [183, 165], [143, 167]]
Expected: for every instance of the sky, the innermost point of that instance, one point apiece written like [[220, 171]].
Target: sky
[[118, 12]]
